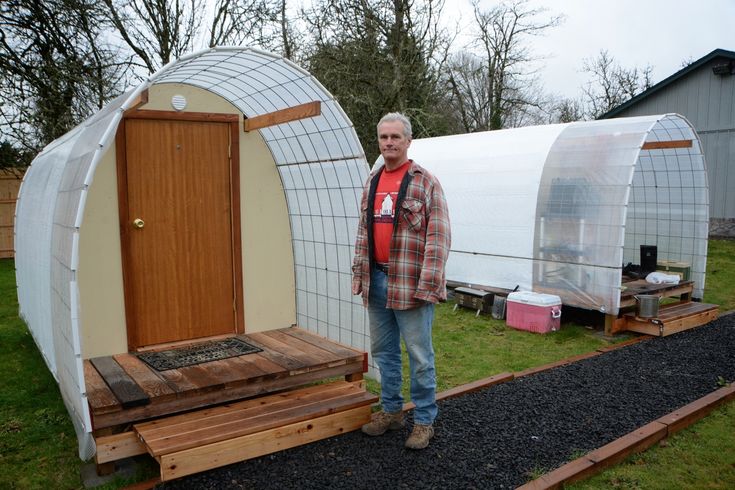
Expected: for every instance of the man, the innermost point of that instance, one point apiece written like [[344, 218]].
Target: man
[[401, 250]]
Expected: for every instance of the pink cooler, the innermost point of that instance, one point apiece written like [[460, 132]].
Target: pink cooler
[[535, 312]]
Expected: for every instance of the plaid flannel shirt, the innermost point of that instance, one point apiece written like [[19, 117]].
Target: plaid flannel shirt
[[419, 247]]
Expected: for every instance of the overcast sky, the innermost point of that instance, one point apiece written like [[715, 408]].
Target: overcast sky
[[662, 33]]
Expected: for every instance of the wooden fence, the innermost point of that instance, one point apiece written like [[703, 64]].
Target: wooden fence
[[9, 185]]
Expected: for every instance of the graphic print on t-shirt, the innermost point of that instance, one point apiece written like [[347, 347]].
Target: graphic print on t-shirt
[[385, 213]]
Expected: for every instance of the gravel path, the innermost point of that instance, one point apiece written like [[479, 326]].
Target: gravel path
[[496, 437]]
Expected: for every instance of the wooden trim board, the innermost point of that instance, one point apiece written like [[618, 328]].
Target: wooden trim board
[[118, 446], [125, 389], [302, 111], [634, 442], [662, 145], [192, 461], [673, 319]]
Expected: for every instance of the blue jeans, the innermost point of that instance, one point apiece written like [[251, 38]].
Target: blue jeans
[[387, 326]]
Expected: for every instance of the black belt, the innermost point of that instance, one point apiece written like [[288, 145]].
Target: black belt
[[382, 267]]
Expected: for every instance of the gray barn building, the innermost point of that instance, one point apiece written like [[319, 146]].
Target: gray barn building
[[704, 93]]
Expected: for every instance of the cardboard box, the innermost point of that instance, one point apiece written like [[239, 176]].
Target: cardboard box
[[681, 269], [533, 312]]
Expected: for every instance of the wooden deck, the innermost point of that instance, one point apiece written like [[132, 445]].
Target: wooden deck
[[122, 390]]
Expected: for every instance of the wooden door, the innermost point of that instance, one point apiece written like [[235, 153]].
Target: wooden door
[[180, 259]]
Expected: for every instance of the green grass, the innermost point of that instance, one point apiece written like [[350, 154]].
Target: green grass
[[38, 447], [719, 284], [701, 456]]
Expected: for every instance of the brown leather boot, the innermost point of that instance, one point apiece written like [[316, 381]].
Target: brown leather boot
[[420, 436], [383, 422]]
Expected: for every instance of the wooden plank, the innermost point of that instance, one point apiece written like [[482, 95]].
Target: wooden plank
[[267, 365], [321, 342], [613, 324], [250, 446], [202, 398], [144, 376], [620, 345], [216, 426], [155, 428], [627, 299], [99, 396], [698, 409], [275, 345], [319, 354], [235, 370], [121, 384], [552, 365], [118, 446], [275, 356], [178, 381], [302, 111], [661, 145], [140, 100], [183, 116], [681, 317], [682, 310], [695, 320]]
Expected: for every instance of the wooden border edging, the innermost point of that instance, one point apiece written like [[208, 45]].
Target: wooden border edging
[[505, 377], [634, 442]]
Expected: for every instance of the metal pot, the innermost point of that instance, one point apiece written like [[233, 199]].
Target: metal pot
[[647, 305]]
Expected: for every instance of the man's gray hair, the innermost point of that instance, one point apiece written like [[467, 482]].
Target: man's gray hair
[[397, 116]]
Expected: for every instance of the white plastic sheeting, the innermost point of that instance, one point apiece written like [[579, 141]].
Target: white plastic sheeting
[[322, 167], [560, 208]]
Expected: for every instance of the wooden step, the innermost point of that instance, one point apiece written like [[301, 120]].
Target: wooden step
[[205, 439], [672, 319]]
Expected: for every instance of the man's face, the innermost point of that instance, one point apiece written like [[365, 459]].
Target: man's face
[[393, 143]]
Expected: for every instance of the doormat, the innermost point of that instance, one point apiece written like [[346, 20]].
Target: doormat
[[197, 354]]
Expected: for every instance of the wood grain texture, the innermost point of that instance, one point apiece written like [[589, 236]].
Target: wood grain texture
[[118, 446], [204, 427], [201, 398], [100, 398], [149, 381], [310, 109], [662, 145], [125, 389], [249, 446], [180, 264]]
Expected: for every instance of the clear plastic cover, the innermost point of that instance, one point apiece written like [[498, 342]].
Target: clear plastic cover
[[560, 209], [308, 153]]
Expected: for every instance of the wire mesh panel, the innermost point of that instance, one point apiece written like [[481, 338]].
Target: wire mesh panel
[[669, 202]]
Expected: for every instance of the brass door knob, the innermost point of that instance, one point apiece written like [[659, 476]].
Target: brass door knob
[[138, 223]]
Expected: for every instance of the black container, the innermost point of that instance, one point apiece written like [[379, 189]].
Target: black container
[[649, 255]]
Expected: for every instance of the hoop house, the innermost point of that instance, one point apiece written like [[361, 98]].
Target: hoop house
[[562, 208], [285, 196]]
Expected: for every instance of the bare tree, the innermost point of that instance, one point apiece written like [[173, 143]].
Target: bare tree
[[55, 69], [378, 56], [611, 84], [235, 22], [157, 31], [567, 110], [494, 88]]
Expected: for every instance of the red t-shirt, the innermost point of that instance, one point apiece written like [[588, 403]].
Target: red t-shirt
[[386, 195]]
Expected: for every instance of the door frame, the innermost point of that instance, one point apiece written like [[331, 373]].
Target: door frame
[[125, 229]]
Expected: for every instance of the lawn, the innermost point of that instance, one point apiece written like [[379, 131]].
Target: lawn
[[38, 447]]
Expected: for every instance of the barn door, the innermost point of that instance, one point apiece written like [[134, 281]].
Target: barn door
[[179, 235]]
